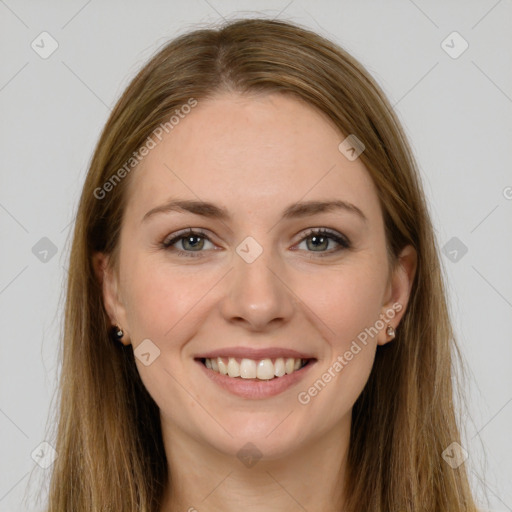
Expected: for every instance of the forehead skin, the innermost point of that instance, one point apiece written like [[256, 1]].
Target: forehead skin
[[254, 155]]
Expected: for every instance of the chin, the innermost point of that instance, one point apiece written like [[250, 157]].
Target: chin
[[264, 434]]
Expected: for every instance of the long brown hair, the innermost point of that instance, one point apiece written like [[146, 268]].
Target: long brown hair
[[109, 442]]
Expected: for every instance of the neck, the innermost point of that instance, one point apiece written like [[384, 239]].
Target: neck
[[203, 479]]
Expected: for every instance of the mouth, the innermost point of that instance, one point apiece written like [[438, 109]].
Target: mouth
[[258, 377], [255, 369]]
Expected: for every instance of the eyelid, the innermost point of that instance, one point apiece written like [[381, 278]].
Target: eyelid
[[183, 232], [170, 240], [342, 240], [333, 234]]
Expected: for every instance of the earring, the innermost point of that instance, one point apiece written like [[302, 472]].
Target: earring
[[117, 332], [390, 331]]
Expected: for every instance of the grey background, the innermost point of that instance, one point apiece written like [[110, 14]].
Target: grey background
[[457, 113]]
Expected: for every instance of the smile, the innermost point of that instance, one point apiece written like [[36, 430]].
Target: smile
[[262, 369], [255, 374]]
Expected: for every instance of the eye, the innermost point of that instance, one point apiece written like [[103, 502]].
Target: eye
[[319, 239], [192, 241]]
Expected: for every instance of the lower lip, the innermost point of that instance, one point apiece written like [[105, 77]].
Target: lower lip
[[257, 389]]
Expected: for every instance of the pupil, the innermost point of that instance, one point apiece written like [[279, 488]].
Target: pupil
[[320, 239], [188, 240]]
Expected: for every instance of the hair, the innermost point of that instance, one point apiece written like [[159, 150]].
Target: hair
[[109, 439]]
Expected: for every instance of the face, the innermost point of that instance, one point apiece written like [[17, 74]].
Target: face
[[263, 276]]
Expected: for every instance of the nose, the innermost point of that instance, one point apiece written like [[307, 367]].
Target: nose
[[257, 294]]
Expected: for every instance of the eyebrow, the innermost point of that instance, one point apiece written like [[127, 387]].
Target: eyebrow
[[295, 210]]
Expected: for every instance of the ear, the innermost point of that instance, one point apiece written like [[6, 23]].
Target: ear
[[398, 291], [108, 280]]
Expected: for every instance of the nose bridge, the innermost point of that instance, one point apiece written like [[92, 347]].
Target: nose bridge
[[256, 292]]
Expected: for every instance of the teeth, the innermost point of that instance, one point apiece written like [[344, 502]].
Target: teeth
[[233, 368], [223, 369], [279, 367], [248, 369], [264, 369]]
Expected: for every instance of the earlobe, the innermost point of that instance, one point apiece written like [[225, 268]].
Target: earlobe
[[399, 290]]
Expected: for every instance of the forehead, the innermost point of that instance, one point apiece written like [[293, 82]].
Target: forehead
[[254, 154]]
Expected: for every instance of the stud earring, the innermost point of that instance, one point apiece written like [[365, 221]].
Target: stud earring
[[390, 331], [117, 332]]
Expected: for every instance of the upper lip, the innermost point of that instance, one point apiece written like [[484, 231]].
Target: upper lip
[[254, 353]]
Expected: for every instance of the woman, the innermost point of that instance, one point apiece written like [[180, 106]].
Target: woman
[[255, 312]]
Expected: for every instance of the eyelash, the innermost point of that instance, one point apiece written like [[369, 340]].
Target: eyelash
[[167, 244]]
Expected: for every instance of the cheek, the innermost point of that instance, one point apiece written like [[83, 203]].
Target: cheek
[[348, 303], [346, 300], [162, 304], [161, 296]]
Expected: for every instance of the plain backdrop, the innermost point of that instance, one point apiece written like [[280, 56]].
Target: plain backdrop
[[455, 104]]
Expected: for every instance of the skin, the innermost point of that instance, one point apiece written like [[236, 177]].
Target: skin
[[253, 155]]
